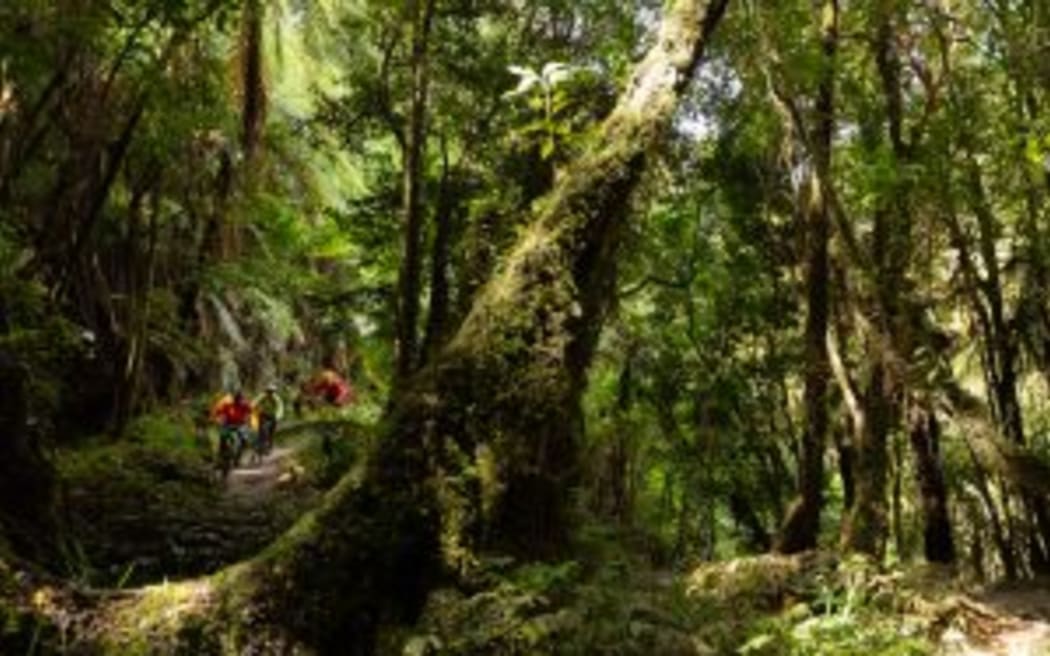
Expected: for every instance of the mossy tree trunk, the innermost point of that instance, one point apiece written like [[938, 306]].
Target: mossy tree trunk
[[864, 529], [445, 213], [802, 525], [925, 437], [501, 399]]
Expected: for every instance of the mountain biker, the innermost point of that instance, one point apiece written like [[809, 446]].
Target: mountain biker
[[333, 388], [335, 391], [233, 413], [270, 409]]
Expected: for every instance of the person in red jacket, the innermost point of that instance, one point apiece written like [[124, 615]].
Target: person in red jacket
[[233, 413], [330, 387], [335, 389]]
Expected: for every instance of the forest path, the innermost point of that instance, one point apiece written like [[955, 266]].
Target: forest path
[[279, 467], [1008, 620], [144, 514], [263, 478]]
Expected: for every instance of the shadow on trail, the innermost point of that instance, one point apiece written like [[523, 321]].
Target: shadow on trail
[[144, 515], [275, 469], [283, 468]]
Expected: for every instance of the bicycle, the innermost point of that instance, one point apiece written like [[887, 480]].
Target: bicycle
[[231, 449], [267, 429]]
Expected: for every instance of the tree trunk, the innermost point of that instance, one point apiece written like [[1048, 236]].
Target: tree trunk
[[864, 530], [999, 536], [855, 413], [756, 537], [802, 525], [939, 546], [139, 252], [1001, 360], [501, 399], [865, 527], [409, 281], [253, 83], [438, 315], [900, 531], [844, 448]]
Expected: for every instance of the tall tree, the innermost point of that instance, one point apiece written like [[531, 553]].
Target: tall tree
[[865, 527], [420, 14], [802, 524]]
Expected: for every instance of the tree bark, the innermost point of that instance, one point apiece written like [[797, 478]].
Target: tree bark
[[802, 524], [865, 527], [939, 546], [409, 281], [253, 83], [441, 254]]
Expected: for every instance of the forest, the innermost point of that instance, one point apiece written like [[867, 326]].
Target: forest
[[467, 327]]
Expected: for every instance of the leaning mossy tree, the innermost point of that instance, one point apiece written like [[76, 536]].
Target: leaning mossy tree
[[479, 451]]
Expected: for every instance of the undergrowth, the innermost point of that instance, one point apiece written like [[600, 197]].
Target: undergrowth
[[810, 605], [152, 506], [829, 608]]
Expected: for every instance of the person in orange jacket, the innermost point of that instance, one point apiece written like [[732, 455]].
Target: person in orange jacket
[[233, 413]]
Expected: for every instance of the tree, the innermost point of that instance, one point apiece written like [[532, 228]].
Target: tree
[[420, 13], [802, 524]]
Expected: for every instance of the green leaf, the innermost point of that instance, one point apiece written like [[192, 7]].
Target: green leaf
[[756, 644], [547, 148], [528, 79]]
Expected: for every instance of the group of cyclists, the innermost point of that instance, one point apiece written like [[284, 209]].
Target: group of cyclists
[[251, 424]]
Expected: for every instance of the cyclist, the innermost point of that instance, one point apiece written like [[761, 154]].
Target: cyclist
[[333, 391], [270, 409], [233, 413], [333, 388]]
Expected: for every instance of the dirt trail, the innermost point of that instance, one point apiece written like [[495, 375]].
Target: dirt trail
[[279, 466], [263, 477], [1005, 621], [143, 515]]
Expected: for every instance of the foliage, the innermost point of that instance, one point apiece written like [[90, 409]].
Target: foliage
[[819, 606], [556, 608], [199, 195]]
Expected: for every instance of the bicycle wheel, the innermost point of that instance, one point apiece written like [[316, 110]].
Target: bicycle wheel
[[224, 457]]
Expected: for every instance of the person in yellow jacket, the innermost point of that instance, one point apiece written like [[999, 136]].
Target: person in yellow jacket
[[269, 409]]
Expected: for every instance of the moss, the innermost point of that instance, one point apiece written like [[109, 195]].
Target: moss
[[139, 513], [153, 619]]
